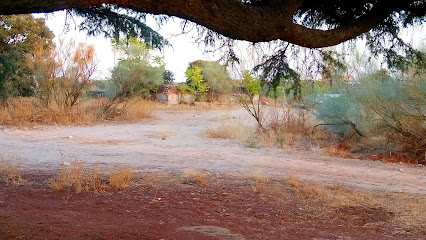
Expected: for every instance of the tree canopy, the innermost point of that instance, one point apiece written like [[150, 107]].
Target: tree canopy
[[308, 23], [19, 37]]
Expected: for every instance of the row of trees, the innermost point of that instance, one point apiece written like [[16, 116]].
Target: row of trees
[[31, 65]]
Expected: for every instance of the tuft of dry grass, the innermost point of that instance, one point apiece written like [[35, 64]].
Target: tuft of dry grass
[[235, 130], [10, 172], [73, 177], [120, 178], [196, 177], [267, 139], [334, 196], [293, 181], [94, 181], [13, 176], [70, 176], [164, 133], [260, 182]]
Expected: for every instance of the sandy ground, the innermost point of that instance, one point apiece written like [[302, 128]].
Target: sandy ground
[[185, 147]]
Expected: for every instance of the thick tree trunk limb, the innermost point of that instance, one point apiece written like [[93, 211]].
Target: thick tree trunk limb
[[230, 18]]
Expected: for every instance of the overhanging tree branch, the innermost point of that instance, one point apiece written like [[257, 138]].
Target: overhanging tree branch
[[236, 19]]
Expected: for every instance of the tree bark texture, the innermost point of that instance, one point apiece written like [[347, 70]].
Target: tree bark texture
[[231, 18]]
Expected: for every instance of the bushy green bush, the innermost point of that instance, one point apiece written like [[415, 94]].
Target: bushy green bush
[[196, 84], [343, 114], [215, 76], [132, 77], [382, 105], [396, 109]]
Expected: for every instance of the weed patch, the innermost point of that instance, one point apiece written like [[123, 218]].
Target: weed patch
[[75, 178], [10, 172], [333, 196], [234, 130], [120, 178], [195, 177]]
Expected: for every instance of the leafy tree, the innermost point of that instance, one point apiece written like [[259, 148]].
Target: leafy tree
[[196, 84], [134, 75], [252, 88], [215, 75], [61, 74], [168, 77], [19, 35], [276, 70]]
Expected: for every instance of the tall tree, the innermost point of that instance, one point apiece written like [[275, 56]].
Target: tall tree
[[19, 36], [215, 75]]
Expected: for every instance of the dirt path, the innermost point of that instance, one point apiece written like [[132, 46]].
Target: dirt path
[[142, 146]]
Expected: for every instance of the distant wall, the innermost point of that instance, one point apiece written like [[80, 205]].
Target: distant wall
[[167, 98]]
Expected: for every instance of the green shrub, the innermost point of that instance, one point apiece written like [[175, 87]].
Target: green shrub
[[382, 106]]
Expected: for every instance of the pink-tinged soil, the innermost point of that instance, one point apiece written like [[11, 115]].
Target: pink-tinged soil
[[226, 208]]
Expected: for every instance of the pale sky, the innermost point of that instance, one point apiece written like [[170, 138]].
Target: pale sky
[[183, 51]]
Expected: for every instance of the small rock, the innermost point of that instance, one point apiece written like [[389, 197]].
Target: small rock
[[66, 163], [70, 137], [401, 170]]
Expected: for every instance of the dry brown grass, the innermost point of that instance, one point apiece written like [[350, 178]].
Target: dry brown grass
[[267, 139], [233, 129], [196, 177], [205, 106], [70, 176], [260, 183], [10, 172], [139, 109], [25, 111], [120, 178], [74, 177], [286, 126], [94, 181], [411, 210], [333, 196], [283, 126], [406, 209]]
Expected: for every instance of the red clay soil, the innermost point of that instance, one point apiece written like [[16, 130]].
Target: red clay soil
[[225, 209]]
